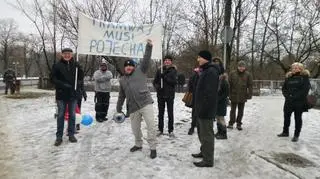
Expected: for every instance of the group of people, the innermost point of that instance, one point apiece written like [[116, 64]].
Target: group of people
[[210, 86], [9, 78]]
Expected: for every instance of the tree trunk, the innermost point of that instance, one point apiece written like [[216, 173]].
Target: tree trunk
[[227, 18], [253, 38], [264, 40], [218, 23], [5, 56], [238, 30]]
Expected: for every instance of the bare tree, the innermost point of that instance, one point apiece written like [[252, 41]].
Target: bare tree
[[8, 33], [39, 14], [257, 4], [227, 19]]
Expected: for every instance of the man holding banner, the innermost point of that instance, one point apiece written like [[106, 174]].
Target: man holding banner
[[64, 78], [133, 87]]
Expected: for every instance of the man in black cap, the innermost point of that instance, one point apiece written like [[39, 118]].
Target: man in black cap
[[133, 87], [206, 96], [166, 93], [63, 76]]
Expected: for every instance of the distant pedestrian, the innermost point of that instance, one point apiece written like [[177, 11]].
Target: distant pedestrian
[[9, 79]]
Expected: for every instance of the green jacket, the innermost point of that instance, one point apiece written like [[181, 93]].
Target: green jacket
[[240, 86]]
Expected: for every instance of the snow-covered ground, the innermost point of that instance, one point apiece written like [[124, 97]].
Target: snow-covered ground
[[27, 134]]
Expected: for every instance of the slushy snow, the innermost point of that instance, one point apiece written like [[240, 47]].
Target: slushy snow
[[28, 126]]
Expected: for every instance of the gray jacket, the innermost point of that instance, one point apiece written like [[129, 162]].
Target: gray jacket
[[102, 81], [134, 87]]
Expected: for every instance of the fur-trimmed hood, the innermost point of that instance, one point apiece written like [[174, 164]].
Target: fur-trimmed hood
[[302, 73]]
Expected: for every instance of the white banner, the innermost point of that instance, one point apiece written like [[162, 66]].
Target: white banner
[[97, 37]]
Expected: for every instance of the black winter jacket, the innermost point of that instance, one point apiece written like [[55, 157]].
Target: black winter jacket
[[295, 90], [223, 93], [206, 93], [63, 76], [169, 77]]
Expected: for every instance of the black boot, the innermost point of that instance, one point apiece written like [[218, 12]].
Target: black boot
[[73, 139], [199, 155], [283, 134], [191, 131], [203, 164], [78, 127], [58, 142], [135, 148], [153, 154], [221, 136], [295, 139], [99, 119], [239, 128], [222, 132]]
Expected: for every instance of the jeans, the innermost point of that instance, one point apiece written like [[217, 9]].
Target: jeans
[[72, 117]]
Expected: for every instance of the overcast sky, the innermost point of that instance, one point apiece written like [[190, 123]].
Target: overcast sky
[[7, 11]]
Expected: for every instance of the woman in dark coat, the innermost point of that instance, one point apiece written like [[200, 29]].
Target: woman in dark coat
[[223, 93], [191, 88], [295, 90]]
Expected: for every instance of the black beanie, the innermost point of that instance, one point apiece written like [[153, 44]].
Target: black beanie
[[129, 63], [206, 55], [168, 57], [66, 50]]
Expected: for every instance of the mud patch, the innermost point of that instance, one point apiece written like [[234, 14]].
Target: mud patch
[[293, 160]]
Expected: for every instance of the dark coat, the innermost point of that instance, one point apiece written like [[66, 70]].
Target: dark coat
[[240, 86], [81, 92], [63, 76], [181, 79], [169, 77], [192, 84], [295, 90], [206, 92], [9, 76], [223, 93]]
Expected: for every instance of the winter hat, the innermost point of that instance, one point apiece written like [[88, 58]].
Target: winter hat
[[241, 64], [168, 57], [66, 50], [129, 63], [205, 54]]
